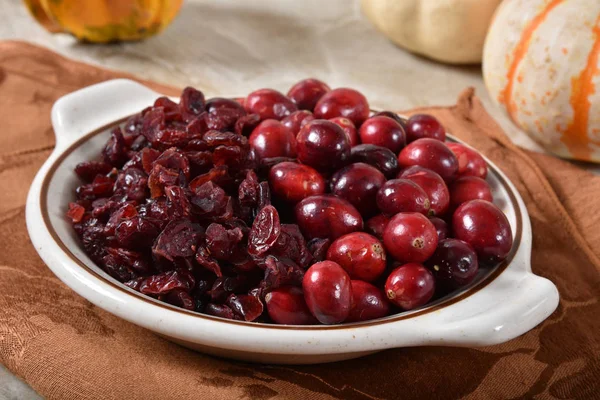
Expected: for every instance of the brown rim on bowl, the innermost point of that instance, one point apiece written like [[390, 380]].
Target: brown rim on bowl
[[434, 306]]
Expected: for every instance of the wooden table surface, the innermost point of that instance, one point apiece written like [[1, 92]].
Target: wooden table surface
[[230, 47]]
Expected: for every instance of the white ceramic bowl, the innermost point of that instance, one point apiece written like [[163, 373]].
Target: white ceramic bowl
[[503, 302]]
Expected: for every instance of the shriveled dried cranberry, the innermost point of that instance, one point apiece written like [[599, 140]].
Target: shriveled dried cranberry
[[221, 242], [192, 102], [136, 232], [180, 298], [178, 239], [291, 244], [115, 151], [167, 281], [219, 310], [210, 201], [280, 272], [247, 307], [88, 170], [318, 248], [265, 231], [246, 124], [75, 212]]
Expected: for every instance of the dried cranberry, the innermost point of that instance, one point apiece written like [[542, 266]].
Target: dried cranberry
[[178, 239], [167, 281], [247, 307], [115, 151], [88, 170], [265, 231]]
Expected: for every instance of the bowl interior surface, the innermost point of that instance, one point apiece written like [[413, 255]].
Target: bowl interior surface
[[58, 189]]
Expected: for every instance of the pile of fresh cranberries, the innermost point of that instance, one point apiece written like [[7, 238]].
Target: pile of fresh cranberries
[[297, 209]]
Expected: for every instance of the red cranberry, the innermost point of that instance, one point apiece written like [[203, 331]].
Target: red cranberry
[[432, 184], [349, 129], [217, 104], [485, 227], [360, 254], [271, 139], [424, 126], [440, 226], [323, 145], [410, 286], [358, 183], [383, 131], [393, 116], [431, 154], [293, 182], [297, 120], [269, 104], [343, 102], [368, 302], [286, 305], [328, 292], [469, 188], [402, 195], [381, 158], [307, 92], [327, 216], [376, 225], [410, 237], [470, 162], [454, 264]]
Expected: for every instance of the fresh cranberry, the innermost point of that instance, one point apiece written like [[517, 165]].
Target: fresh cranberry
[[381, 158], [485, 227], [358, 183], [469, 188], [393, 116], [410, 286], [470, 162], [307, 93], [327, 292], [349, 129], [368, 302], [217, 104], [343, 102], [431, 154], [297, 120], [433, 185], [424, 126], [360, 254], [453, 264], [327, 216], [286, 305], [383, 131], [294, 182], [441, 227], [410, 237], [271, 139], [376, 225], [323, 145], [269, 104], [402, 195]]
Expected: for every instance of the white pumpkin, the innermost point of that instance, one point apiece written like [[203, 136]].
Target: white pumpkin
[[542, 65], [451, 31]]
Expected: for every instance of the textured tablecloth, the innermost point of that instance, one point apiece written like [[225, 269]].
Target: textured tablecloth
[[64, 347]]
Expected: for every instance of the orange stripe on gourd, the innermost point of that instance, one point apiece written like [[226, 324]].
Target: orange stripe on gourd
[[505, 96], [575, 137]]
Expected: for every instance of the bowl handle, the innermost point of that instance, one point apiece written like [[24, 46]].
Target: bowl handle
[[92, 107], [512, 305]]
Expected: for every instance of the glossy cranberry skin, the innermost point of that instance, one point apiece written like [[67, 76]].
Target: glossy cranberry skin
[[358, 183], [393, 116], [470, 162], [469, 188], [271, 139], [376, 225], [307, 93], [343, 102], [349, 129], [380, 157], [297, 120], [383, 131], [327, 216], [409, 286], [360, 254], [453, 264], [215, 104], [368, 302], [424, 126], [323, 145], [286, 305], [402, 195], [294, 182], [485, 227], [269, 104], [432, 184], [410, 237], [431, 154], [441, 227], [327, 292]]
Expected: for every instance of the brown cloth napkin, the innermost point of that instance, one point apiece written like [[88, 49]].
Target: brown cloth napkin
[[66, 348]]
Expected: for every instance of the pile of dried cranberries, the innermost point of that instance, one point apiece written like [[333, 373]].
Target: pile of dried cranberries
[[297, 209]]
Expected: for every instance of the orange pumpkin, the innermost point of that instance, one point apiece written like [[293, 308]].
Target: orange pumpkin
[[541, 63], [104, 21]]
